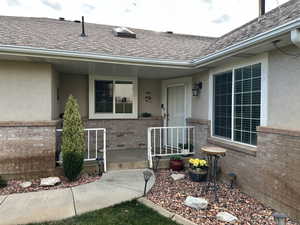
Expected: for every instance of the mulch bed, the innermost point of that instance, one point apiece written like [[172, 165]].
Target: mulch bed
[[14, 185], [171, 195]]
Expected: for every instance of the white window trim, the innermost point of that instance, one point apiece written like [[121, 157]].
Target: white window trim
[[94, 115], [264, 60]]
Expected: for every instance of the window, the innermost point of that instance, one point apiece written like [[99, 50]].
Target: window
[[223, 106], [113, 98], [238, 120]]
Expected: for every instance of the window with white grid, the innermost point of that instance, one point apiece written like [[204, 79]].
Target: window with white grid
[[238, 120], [247, 95]]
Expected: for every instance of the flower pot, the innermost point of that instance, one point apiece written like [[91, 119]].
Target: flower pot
[[176, 165], [198, 176]]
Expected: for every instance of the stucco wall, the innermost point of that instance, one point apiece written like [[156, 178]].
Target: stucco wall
[[55, 95], [154, 88], [25, 91], [200, 102], [284, 87], [77, 85]]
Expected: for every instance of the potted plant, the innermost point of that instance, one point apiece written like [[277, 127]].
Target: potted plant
[[176, 163], [146, 114], [198, 169], [186, 148]]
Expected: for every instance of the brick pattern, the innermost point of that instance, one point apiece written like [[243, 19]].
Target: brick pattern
[[202, 132], [27, 149], [125, 133], [272, 174]]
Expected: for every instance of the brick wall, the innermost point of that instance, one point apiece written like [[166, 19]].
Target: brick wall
[[270, 172], [202, 132], [27, 148], [125, 133]]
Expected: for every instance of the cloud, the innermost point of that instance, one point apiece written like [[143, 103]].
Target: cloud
[[87, 8], [52, 4], [13, 2], [208, 1], [222, 19]]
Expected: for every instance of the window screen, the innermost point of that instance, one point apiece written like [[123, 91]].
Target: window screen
[[223, 104], [247, 92]]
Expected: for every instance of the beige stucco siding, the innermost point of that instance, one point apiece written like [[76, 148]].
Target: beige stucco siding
[[25, 91], [200, 102], [149, 88], [76, 85], [55, 95], [284, 90]]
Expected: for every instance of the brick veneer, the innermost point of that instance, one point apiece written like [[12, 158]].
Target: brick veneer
[[271, 171], [125, 133], [27, 148], [202, 132]]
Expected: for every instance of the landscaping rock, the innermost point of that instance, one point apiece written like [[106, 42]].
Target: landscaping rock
[[26, 184], [177, 176], [196, 203], [50, 181], [226, 217]]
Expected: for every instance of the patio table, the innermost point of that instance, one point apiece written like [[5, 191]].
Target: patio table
[[213, 153]]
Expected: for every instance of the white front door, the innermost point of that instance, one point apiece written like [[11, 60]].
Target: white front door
[[176, 106], [175, 115]]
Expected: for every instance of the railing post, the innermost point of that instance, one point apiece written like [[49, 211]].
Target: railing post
[[88, 144], [104, 148], [96, 144], [150, 148]]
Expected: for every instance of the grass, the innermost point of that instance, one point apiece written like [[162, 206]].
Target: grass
[[127, 213]]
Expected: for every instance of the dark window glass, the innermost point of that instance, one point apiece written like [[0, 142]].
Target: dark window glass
[[103, 96], [223, 104]]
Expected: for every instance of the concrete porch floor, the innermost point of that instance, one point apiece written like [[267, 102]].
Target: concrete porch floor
[[133, 159], [126, 155]]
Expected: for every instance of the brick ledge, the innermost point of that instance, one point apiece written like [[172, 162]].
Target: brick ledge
[[294, 133], [49, 123], [233, 146], [199, 121]]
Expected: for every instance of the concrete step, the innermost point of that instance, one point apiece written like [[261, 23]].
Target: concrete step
[[127, 165]]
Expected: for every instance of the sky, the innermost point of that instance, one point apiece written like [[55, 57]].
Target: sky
[[197, 17]]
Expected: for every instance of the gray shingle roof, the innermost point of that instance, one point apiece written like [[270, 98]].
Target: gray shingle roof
[[65, 35], [274, 18]]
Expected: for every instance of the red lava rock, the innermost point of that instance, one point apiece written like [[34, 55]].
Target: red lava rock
[[14, 185], [171, 196]]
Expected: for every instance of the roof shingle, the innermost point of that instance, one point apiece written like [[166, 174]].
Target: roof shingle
[[65, 35]]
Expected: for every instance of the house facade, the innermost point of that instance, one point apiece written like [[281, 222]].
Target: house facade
[[239, 91]]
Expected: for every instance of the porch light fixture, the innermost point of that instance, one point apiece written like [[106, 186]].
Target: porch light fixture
[[196, 88], [280, 218], [147, 175]]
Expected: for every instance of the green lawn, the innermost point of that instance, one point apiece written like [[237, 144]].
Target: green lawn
[[128, 213]]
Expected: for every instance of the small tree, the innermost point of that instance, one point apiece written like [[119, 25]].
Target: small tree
[[73, 144]]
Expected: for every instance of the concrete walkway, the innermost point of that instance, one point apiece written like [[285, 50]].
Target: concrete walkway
[[114, 187]]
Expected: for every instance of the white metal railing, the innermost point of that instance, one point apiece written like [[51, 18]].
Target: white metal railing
[[167, 141], [95, 144]]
